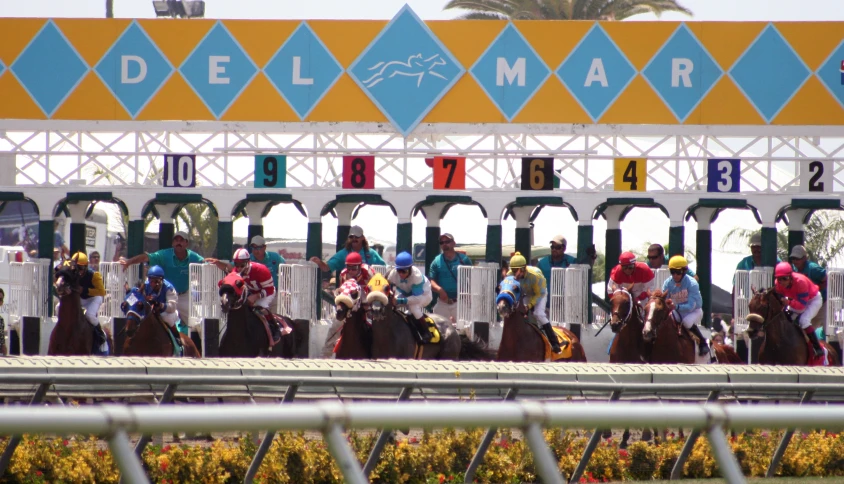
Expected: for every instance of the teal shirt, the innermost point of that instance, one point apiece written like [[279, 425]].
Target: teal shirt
[[814, 272], [546, 264], [444, 272], [747, 264], [272, 260], [176, 271], [337, 262]]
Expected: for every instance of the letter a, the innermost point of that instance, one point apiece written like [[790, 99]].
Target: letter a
[[124, 69], [681, 69], [596, 73]]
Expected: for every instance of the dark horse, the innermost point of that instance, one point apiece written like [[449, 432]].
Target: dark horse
[[148, 335], [521, 340], [392, 335], [73, 334], [670, 343], [245, 336], [783, 342], [356, 334], [627, 322]]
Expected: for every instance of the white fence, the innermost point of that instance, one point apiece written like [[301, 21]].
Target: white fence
[[297, 290], [476, 292], [204, 293], [660, 276], [570, 295], [116, 280], [746, 282], [834, 302]]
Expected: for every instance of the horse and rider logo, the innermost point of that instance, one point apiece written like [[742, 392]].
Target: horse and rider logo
[[416, 66]]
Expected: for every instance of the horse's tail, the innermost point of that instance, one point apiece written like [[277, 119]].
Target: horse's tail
[[474, 349]]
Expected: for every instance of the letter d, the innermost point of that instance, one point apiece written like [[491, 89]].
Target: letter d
[[124, 69]]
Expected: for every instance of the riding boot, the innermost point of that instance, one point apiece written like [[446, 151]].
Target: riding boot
[[702, 347], [422, 325], [813, 338], [552, 338], [176, 335]]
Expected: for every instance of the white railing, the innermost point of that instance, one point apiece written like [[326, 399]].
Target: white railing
[[116, 280], [476, 294], [746, 282], [204, 293], [569, 295], [27, 286], [834, 302], [383, 270], [297, 290], [660, 276], [557, 297]]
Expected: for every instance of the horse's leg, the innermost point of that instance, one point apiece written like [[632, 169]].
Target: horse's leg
[[647, 435], [624, 438]]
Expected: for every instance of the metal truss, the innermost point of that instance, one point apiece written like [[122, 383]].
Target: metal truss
[[129, 154]]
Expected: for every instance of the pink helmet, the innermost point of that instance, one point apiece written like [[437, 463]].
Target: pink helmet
[[783, 269], [240, 254], [626, 258]]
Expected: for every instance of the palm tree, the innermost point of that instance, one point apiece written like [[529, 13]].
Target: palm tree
[[200, 223], [562, 9], [823, 238]]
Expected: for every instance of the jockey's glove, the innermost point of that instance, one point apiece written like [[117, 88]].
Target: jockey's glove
[[401, 300]]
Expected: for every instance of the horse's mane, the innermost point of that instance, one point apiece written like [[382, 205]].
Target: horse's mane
[[657, 293], [66, 272]]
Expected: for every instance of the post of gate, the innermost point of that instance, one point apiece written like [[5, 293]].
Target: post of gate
[[577, 297], [557, 297], [741, 299], [119, 333], [205, 306], [834, 321], [31, 329], [760, 278], [211, 337]]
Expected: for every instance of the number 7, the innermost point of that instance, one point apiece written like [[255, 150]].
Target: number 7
[[451, 165]]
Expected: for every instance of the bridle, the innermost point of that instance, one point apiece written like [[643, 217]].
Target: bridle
[[626, 318]]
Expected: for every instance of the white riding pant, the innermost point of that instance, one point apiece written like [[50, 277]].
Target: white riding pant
[[539, 311], [416, 308], [183, 307], [92, 307], [170, 318], [692, 318], [811, 310], [266, 302], [447, 311]]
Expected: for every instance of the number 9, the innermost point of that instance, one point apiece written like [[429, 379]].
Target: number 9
[[270, 171]]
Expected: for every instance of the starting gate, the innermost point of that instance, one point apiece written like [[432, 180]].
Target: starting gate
[[383, 270], [116, 281], [660, 276], [204, 293], [297, 286], [27, 295], [834, 303], [476, 292], [746, 282], [570, 295]]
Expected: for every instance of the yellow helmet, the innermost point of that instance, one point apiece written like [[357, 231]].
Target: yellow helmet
[[80, 259], [678, 262], [517, 261]]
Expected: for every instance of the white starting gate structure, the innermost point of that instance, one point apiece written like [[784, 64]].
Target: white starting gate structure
[[835, 304], [660, 276], [746, 282], [204, 297], [476, 292], [570, 295], [383, 270], [297, 286], [116, 281], [26, 286]]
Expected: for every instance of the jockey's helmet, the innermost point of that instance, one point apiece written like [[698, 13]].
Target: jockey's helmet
[[678, 262], [626, 258], [354, 259], [517, 261], [404, 260], [80, 258], [241, 260], [783, 269], [155, 271]]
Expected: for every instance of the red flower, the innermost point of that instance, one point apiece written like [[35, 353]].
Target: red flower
[[65, 442], [413, 440], [39, 473], [442, 479], [166, 448], [164, 466], [623, 453], [100, 453]]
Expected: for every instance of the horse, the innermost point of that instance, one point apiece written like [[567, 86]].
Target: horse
[[627, 322], [783, 342], [355, 335], [148, 335], [521, 340], [670, 343], [393, 336], [245, 335], [73, 335]]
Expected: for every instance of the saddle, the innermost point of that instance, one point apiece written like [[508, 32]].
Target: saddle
[[432, 327], [563, 340]]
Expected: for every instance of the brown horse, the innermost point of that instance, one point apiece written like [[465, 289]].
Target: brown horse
[[627, 323], [73, 335], [151, 337], [392, 335], [783, 342], [670, 343], [521, 340], [245, 335], [356, 334]]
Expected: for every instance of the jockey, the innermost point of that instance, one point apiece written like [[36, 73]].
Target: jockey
[[534, 289], [356, 270], [260, 289], [413, 289], [164, 297], [93, 292], [803, 297], [684, 299], [627, 272]]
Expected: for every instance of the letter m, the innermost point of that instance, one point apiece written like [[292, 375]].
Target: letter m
[[515, 73]]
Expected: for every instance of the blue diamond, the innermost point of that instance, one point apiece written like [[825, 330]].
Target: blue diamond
[[218, 69], [682, 72], [831, 73], [2, 68], [303, 70], [49, 68], [510, 72], [596, 72], [134, 69], [406, 70], [769, 73]]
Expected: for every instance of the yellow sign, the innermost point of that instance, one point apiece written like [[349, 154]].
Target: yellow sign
[[630, 175], [406, 72]]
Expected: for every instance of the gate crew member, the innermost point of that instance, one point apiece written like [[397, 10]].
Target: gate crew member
[[355, 243], [443, 276], [534, 290], [269, 259], [684, 299], [558, 258]]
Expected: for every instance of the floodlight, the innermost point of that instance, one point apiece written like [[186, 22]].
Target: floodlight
[[179, 8]]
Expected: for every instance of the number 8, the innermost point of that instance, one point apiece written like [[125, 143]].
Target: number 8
[[725, 170]]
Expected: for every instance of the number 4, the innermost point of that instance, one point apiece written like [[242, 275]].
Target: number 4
[[630, 175]]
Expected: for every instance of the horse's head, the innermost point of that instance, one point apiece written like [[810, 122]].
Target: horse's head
[[509, 295], [764, 305], [347, 300], [656, 310], [378, 306], [231, 292], [134, 307], [65, 279], [622, 308]]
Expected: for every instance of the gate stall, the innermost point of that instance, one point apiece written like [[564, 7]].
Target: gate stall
[[569, 295], [835, 305], [476, 292], [205, 299], [745, 283], [27, 296], [116, 281]]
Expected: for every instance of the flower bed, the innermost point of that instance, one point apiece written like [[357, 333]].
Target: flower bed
[[434, 458]]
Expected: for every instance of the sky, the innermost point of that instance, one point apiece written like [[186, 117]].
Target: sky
[[467, 224]]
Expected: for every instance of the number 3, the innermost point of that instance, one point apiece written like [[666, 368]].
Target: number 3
[[725, 169]]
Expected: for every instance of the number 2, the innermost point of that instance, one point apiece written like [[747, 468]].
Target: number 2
[[270, 171], [451, 164], [725, 169], [630, 175], [815, 185]]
